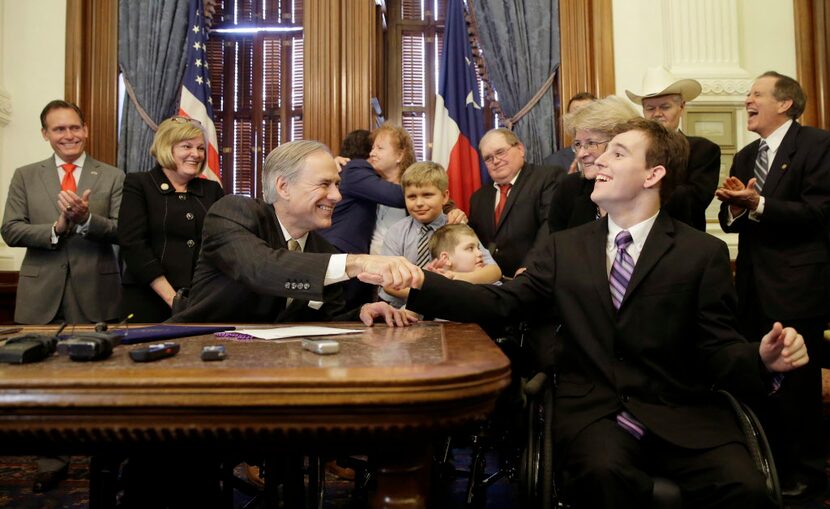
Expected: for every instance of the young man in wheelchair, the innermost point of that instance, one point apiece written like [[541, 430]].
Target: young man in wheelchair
[[647, 306]]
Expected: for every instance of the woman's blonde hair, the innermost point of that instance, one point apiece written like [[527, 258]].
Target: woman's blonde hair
[[171, 131], [601, 115]]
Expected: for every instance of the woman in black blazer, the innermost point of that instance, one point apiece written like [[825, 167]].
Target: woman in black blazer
[[160, 224]]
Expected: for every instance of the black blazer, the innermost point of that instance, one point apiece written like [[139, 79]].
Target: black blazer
[[160, 232], [524, 214], [672, 339], [696, 190], [786, 253], [571, 204], [245, 271]]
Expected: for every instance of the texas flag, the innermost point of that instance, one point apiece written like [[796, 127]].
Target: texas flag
[[195, 101], [458, 119]]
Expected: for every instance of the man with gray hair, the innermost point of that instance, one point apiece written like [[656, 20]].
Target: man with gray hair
[[263, 262]]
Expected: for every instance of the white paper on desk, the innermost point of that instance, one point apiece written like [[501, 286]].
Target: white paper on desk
[[295, 331]]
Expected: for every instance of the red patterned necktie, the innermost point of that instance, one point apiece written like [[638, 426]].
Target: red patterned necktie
[[503, 190]]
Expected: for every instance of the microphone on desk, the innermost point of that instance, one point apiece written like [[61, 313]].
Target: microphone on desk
[[29, 348], [92, 346]]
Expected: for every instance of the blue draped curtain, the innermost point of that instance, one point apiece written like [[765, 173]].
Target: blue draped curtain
[[520, 40], [151, 38]]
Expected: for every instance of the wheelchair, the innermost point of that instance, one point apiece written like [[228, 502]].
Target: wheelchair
[[521, 444]]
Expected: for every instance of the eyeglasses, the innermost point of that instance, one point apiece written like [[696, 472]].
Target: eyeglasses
[[498, 154], [590, 146], [185, 120]]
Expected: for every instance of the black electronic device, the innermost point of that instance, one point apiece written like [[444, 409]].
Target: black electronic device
[[89, 346], [155, 352], [213, 353], [27, 348]]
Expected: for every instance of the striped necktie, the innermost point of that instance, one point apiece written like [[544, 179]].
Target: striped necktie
[[761, 166], [423, 246], [621, 269]]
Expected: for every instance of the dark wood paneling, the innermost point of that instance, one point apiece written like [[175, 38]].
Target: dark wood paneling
[[92, 71], [8, 293]]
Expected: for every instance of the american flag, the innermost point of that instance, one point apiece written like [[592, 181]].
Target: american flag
[[195, 101]]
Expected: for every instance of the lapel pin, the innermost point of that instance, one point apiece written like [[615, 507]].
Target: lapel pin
[[164, 186], [784, 167]]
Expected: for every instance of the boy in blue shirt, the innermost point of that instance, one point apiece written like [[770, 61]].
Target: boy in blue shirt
[[426, 190]]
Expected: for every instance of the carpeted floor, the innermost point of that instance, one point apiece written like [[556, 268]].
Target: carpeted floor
[[16, 473]]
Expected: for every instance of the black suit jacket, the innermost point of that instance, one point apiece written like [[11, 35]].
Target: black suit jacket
[[245, 272], [524, 214], [571, 204], [786, 252], [672, 339], [696, 190]]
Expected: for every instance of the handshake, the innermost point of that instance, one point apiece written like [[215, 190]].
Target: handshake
[[394, 271]]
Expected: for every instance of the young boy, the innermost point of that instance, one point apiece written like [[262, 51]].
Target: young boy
[[426, 190], [457, 248]]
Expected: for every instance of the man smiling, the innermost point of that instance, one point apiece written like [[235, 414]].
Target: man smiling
[[263, 262], [647, 330], [777, 199], [64, 211]]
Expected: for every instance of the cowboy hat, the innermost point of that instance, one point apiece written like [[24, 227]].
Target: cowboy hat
[[658, 81]]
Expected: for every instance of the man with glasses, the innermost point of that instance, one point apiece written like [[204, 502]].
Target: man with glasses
[[507, 214], [664, 100]]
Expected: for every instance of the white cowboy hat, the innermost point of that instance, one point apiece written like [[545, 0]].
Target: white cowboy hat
[[658, 81]]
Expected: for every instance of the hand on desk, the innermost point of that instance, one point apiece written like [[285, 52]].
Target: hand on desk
[[393, 271], [783, 349], [393, 317]]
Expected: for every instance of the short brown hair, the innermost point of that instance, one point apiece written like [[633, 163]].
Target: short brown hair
[[425, 173], [175, 130], [448, 237], [60, 104], [400, 140], [788, 88], [666, 148]]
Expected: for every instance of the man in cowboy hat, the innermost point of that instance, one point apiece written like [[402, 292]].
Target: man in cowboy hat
[[664, 99]]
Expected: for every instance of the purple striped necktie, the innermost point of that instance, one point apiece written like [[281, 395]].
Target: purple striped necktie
[[621, 269]]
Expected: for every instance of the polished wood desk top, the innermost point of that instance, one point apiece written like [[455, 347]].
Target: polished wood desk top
[[429, 376]]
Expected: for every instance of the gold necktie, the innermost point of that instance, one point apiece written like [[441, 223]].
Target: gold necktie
[[293, 245]]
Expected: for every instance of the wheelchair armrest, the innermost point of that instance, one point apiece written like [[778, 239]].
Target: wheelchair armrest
[[535, 385]]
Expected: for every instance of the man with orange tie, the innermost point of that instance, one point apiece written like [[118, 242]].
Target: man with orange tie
[[64, 211], [508, 214]]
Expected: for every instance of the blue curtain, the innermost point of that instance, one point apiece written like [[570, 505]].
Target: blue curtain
[[151, 39], [520, 39]]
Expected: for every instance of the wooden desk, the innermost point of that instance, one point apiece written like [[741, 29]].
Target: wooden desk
[[388, 392]]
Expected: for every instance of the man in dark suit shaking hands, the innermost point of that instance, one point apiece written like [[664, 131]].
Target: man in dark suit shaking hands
[[647, 331], [263, 262], [777, 199]]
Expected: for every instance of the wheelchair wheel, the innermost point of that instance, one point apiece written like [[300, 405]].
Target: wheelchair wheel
[[536, 474]]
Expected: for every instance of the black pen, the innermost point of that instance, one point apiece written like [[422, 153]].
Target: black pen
[[10, 330]]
